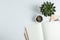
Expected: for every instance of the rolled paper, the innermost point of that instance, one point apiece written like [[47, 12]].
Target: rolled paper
[[26, 34], [53, 17]]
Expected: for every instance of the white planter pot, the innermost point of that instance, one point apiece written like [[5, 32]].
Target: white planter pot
[[51, 30]]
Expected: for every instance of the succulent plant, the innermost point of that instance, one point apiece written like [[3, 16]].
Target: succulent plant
[[47, 8]]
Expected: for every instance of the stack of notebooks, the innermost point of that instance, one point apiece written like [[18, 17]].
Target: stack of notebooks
[[33, 32], [44, 31]]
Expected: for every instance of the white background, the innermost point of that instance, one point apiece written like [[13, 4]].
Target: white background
[[15, 14]]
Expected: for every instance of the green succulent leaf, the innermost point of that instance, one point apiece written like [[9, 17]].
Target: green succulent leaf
[[47, 8]]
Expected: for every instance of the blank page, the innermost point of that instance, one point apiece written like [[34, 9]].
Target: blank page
[[35, 31]]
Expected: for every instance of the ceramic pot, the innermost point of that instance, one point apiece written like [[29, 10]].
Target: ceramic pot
[[39, 18]]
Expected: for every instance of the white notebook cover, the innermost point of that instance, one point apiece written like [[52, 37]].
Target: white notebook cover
[[35, 31]]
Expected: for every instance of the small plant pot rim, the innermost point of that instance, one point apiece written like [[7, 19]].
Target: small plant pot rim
[[39, 18]]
